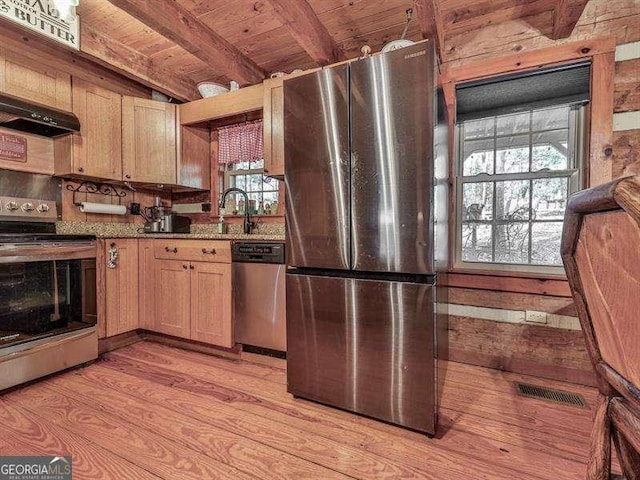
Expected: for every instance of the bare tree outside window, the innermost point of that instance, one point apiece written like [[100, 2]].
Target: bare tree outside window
[[515, 175]]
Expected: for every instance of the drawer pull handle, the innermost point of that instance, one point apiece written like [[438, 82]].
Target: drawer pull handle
[[212, 251], [174, 249]]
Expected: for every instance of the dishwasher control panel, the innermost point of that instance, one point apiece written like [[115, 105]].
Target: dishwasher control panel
[[255, 252]]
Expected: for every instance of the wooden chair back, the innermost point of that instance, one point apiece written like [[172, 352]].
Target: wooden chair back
[[601, 254]]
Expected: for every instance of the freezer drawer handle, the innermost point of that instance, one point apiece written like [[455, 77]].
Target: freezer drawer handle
[[212, 251], [174, 249]]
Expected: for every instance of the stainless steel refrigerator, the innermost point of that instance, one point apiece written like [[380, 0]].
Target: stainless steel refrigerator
[[366, 177]]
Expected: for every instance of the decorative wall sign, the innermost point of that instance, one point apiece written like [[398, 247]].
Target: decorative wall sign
[[13, 147], [42, 16]]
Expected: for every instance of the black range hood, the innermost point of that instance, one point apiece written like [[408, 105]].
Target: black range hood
[[19, 114]]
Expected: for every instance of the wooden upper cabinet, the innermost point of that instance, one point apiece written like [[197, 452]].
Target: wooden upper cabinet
[[97, 150], [211, 303], [244, 100], [22, 77], [193, 167], [273, 122], [148, 141], [121, 287], [273, 125]]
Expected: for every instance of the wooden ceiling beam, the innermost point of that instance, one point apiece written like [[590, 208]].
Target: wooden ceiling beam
[[133, 64], [175, 22], [431, 23], [565, 17], [305, 27]]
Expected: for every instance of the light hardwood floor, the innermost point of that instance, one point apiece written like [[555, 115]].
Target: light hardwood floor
[[152, 411]]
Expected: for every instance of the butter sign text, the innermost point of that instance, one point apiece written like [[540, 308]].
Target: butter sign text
[[41, 16]]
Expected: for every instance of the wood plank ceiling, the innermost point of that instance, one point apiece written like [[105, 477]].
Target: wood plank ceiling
[[172, 45]]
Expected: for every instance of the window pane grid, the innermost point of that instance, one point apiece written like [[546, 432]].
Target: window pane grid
[[249, 176], [530, 176], [506, 135], [493, 215], [485, 178]]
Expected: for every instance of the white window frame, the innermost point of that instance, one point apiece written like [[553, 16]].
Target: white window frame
[[230, 172], [574, 173]]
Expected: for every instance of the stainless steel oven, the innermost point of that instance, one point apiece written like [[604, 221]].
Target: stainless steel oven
[[48, 294]]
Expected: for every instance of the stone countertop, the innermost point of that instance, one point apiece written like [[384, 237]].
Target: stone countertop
[[265, 232], [195, 236]]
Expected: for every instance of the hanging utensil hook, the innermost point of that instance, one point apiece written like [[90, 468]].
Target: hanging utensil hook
[[409, 13]]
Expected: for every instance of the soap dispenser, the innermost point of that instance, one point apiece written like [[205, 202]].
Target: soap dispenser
[[222, 226]]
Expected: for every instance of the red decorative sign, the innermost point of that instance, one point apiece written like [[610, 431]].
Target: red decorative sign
[[13, 147]]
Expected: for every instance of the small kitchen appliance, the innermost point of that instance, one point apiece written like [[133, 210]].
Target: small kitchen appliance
[[159, 219]]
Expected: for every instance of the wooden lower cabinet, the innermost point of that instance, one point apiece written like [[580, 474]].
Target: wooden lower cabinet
[[121, 287], [146, 282], [186, 298], [173, 297], [211, 303]]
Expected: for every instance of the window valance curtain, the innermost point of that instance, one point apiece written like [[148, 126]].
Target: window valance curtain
[[240, 143]]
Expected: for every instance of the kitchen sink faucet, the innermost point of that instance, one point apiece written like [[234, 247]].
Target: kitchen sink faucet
[[247, 217]]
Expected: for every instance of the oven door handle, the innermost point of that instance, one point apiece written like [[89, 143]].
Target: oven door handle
[[47, 253]]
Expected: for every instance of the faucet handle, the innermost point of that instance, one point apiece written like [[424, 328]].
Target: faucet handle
[[253, 225]]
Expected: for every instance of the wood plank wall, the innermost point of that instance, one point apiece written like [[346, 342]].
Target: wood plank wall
[[488, 322], [626, 135]]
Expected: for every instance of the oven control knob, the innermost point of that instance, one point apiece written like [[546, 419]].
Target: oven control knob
[[43, 208], [12, 206], [28, 207]]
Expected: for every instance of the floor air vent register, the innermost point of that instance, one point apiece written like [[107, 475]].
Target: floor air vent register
[[550, 394]]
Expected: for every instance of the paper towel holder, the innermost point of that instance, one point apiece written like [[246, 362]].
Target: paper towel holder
[[95, 188]]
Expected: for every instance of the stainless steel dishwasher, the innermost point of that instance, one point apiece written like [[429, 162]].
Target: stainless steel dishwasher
[[259, 295]]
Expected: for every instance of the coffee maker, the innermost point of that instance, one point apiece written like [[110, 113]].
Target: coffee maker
[[159, 219]]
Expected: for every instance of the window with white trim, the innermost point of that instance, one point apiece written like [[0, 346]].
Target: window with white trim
[[263, 191], [515, 173], [241, 165]]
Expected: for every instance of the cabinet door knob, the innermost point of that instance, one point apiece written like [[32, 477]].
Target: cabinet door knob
[[191, 267], [80, 169], [127, 176], [184, 266]]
